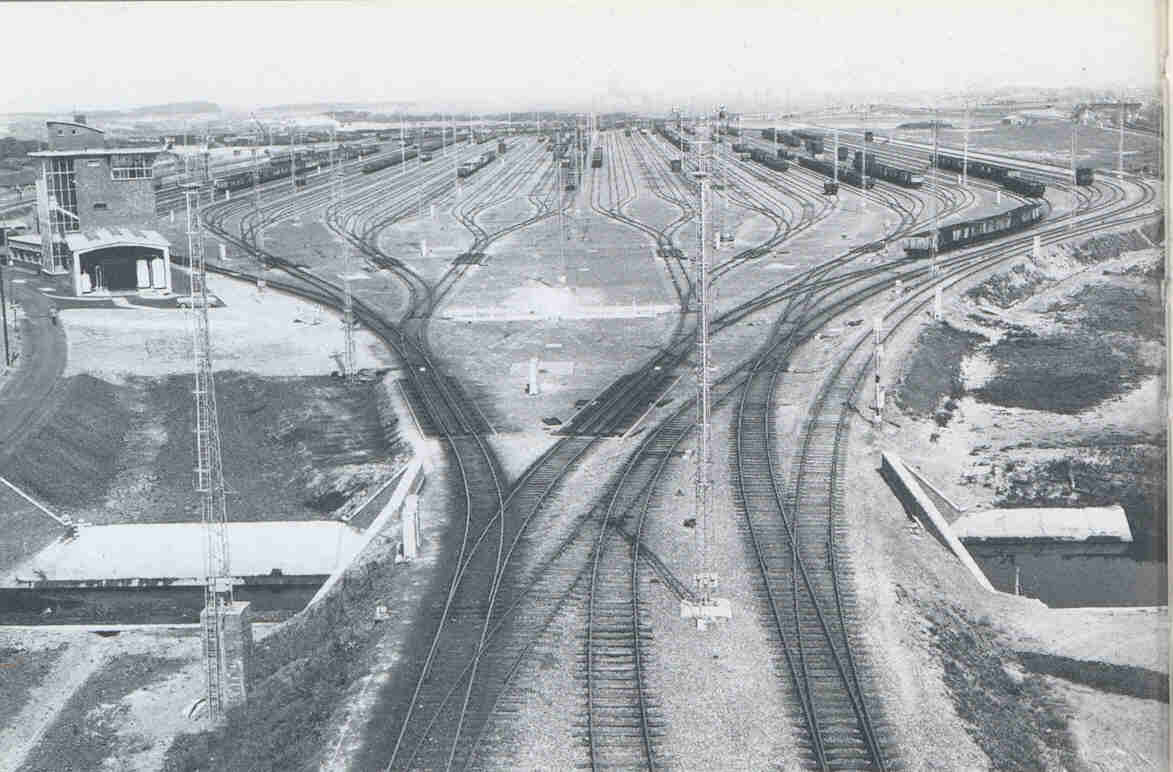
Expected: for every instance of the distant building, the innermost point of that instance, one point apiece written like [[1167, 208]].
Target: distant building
[[1097, 112], [95, 204], [1017, 119]]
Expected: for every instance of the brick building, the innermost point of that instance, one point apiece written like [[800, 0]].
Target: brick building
[[95, 204]]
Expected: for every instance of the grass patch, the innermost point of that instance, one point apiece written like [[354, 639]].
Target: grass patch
[[1115, 309], [935, 370], [85, 734], [1061, 374], [293, 448], [20, 671], [1129, 680], [71, 460], [1011, 715], [302, 674]]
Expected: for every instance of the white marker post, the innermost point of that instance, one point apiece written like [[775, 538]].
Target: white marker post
[[937, 304], [410, 517], [878, 326], [533, 389], [1037, 247]]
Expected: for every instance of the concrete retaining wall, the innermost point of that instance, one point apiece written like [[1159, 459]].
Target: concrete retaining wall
[[917, 503], [410, 482]]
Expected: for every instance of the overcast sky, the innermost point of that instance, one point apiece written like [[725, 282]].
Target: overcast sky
[[90, 56]]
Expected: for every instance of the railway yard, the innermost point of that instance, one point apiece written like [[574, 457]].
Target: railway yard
[[492, 331]]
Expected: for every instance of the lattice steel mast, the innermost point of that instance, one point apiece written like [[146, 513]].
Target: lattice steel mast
[[349, 368], [209, 470], [705, 580]]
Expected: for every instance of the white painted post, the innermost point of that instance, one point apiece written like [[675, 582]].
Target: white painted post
[[878, 326], [1037, 247], [937, 304], [433, 211], [172, 215], [223, 252], [409, 516], [533, 387], [423, 247], [999, 195]]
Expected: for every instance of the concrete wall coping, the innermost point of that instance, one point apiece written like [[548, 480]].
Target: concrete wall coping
[[410, 481], [901, 477]]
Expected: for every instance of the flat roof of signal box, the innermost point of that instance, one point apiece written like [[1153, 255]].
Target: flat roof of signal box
[[97, 151]]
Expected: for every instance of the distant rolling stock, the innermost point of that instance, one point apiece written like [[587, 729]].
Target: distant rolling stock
[[888, 172], [964, 234]]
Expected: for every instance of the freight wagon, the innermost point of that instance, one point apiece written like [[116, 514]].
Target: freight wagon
[[768, 160], [964, 234], [888, 172], [782, 136], [278, 167], [392, 160], [1023, 186], [468, 168], [846, 173], [1084, 175], [984, 169], [597, 158]]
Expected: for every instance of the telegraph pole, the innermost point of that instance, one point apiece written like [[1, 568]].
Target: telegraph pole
[[965, 150], [835, 161], [1121, 151], [293, 157], [4, 318], [936, 207], [1074, 176]]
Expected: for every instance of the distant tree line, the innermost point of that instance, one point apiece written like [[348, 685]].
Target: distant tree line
[[10, 147]]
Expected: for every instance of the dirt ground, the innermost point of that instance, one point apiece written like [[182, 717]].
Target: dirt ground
[[967, 697], [1048, 384]]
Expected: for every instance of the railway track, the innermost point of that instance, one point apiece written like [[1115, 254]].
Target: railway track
[[509, 599]]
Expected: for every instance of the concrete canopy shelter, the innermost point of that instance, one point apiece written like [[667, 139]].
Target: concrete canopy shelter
[[120, 260]]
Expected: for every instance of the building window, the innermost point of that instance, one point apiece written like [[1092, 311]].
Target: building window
[[100, 205], [62, 188], [131, 167]]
